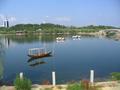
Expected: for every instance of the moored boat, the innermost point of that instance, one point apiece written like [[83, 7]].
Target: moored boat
[[76, 37], [40, 53]]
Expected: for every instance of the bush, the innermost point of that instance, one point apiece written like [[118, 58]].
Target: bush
[[83, 85], [115, 75], [22, 84], [75, 86]]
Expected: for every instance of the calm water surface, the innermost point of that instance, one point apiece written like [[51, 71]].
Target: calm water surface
[[71, 60]]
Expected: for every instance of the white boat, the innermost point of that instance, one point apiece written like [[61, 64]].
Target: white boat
[[76, 37], [60, 38]]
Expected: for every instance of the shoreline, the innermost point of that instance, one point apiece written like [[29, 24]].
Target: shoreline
[[108, 85], [96, 34], [80, 33]]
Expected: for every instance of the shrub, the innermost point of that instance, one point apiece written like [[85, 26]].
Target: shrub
[[75, 86], [115, 75], [22, 84]]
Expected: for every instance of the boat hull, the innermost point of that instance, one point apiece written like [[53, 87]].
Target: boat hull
[[40, 55]]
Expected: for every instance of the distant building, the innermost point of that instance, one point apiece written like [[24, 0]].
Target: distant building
[[6, 23]]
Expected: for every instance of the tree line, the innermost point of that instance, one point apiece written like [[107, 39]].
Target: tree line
[[52, 28]]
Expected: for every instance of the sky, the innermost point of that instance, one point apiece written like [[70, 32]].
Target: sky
[[65, 12]]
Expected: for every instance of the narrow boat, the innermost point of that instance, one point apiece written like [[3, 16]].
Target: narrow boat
[[38, 53]]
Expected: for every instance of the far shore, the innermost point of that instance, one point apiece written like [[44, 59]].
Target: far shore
[[79, 33]]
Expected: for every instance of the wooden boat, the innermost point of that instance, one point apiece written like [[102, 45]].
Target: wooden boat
[[39, 54], [33, 58]]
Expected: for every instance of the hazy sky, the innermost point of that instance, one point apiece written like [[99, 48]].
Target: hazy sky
[[68, 12]]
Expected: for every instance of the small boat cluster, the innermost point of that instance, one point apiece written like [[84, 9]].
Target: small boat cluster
[[60, 39], [76, 37]]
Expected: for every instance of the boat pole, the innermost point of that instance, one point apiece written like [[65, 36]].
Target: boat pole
[[21, 75], [92, 77], [53, 78]]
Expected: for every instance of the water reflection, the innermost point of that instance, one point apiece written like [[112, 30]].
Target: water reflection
[[41, 38], [1, 59], [70, 57], [1, 68], [5, 42], [23, 39], [32, 38], [37, 63]]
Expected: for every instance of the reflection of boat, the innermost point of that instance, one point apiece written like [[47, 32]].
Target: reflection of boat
[[60, 41], [38, 53], [37, 63]]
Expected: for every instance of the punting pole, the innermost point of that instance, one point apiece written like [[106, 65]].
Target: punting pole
[[21, 75], [92, 76], [53, 78]]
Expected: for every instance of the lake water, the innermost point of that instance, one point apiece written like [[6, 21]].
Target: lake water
[[71, 59]]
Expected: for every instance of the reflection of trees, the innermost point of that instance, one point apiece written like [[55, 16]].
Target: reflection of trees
[[1, 60], [1, 68], [1, 48], [23, 39], [48, 38], [32, 38]]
